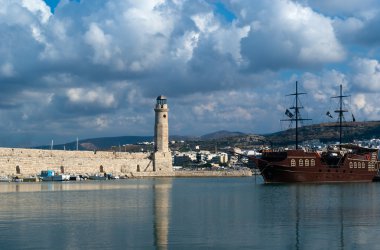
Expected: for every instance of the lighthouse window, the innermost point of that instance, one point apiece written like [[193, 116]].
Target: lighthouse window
[[293, 163], [306, 162], [300, 163], [164, 116], [350, 164], [355, 165], [312, 162]]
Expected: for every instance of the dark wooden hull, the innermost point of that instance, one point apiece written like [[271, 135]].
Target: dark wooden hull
[[281, 174], [301, 166]]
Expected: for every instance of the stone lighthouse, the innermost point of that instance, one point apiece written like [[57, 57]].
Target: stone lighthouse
[[162, 157]]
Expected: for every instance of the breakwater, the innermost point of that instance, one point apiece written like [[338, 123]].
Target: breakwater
[[25, 162], [30, 162]]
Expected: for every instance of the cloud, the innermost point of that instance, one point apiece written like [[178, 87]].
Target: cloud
[[97, 95], [366, 106], [366, 74], [285, 34], [325, 85], [7, 70], [340, 7], [39, 8], [94, 67]]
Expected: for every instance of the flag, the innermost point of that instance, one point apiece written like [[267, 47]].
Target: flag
[[329, 114], [288, 113], [353, 118]]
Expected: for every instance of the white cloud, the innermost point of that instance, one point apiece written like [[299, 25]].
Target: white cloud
[[341, 7], [98, 61], [7, 70], [205, 22], [325, 85], [39, 8], [100, 42], [366, 74], [91, 96], [285, 34], [185, 45], [366, 106], [101, 122]]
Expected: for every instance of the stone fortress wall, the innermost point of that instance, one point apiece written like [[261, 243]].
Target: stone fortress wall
[[25, 162]]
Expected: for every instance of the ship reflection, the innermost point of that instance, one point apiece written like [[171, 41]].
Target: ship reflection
[[332, 221], [304, 220], [162, 204]]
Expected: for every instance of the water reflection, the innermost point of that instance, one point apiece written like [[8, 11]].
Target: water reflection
[[66, 186], [334, 216], [231, 213], [162, 204]]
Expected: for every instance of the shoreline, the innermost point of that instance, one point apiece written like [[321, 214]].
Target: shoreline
[[132, 175]]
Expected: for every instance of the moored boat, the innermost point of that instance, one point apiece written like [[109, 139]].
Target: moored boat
[[98, 177], [349, 164], [5, 179], [50, 175], [345, 163]]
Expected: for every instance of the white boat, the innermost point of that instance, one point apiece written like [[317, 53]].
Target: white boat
[[4, 179], [50, 175]]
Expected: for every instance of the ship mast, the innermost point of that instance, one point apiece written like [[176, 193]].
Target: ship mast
[[297, 115], [341, 112]]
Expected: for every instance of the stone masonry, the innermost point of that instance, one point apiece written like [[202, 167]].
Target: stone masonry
[[20, 161], [26, 162], [162, 157]]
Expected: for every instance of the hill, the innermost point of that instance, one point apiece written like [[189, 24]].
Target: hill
[[325, 132], [103, 143], [220, 135], [328, 132]]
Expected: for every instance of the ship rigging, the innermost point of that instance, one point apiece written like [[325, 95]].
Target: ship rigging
[[297, 115]]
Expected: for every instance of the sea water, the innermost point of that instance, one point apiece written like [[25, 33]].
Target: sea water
[[189, 213]]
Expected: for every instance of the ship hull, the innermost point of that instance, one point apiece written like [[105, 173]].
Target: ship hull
[[333, 166], [282, 174]]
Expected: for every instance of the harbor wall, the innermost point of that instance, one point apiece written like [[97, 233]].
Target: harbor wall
[[26, 162]]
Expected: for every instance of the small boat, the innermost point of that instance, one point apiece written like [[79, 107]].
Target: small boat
[[17, 179], [50, 175], [75, 178], [98, 177], [31, 179], [4, 179]]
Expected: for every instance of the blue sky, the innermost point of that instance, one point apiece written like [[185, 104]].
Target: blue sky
[[93, 68], [52, 3]]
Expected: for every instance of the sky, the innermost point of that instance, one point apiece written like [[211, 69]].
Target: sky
[[93, 68]]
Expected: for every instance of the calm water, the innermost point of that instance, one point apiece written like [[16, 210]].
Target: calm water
[[197, 213]]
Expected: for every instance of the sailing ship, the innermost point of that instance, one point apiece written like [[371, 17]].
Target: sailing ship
[[345, 163]]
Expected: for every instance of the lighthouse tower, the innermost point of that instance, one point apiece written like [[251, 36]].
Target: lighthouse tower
[[162, 158]]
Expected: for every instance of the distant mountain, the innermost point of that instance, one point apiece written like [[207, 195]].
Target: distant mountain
[[325, 132], [102, 143], [220, 135], [328, 132]]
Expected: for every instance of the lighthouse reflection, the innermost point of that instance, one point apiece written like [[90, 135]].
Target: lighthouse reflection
[[162, 205]]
